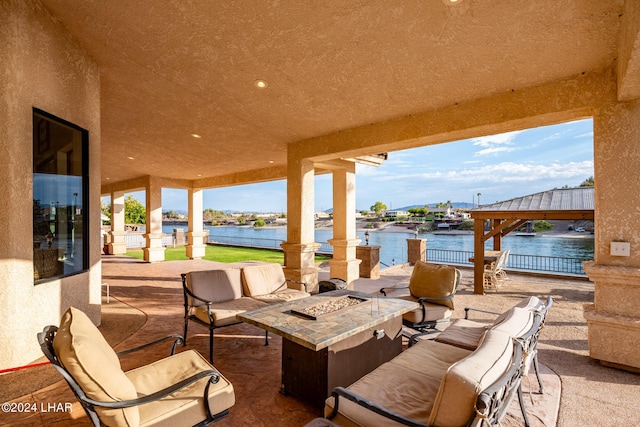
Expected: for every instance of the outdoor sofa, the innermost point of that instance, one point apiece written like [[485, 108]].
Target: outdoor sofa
[[438, 384], [212, 298]]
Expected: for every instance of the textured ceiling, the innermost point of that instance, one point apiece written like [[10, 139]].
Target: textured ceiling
[[173, 68]]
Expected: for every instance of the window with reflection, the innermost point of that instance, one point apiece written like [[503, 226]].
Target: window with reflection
[[60, 196]]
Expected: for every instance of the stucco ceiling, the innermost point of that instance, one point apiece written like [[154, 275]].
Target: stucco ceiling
[[170, 69]]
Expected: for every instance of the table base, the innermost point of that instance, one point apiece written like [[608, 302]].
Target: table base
[[312, 375]]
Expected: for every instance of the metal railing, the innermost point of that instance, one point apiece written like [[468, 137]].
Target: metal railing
[[546, 264]]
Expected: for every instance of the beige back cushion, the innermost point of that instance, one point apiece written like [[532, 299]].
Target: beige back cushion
[[94, 365], [531, 303], [516, 322], [464, 380], [214, 285], [433, 280], [263, 279]]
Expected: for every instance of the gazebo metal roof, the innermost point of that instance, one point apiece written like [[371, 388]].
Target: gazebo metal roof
[[559, 199], [560, 204]]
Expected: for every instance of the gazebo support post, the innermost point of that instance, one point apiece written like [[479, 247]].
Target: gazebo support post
[[478, 256]]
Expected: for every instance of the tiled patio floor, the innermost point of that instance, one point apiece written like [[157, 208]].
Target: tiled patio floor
[[585, 392]]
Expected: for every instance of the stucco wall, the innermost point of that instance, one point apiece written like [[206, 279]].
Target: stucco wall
[[43, 67], [616, 166]]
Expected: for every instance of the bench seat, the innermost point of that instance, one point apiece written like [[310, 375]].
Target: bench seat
[[431, 383]]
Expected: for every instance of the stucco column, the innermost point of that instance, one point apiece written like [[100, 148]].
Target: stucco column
[[344, 265], [614, 317], [300, 247], [478, 256], [195, 247], [117, 245], [154, 251]]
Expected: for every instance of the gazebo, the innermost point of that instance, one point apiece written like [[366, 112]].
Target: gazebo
[[505, 217]]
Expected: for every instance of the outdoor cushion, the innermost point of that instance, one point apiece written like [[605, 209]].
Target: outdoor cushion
[[429, 357], [468, 333], [186, 406], [91, 361], [517, 322], [463, 333], [432, 312], [455, 402], [531, 303], [281, 296], [433, 281], [214, 285], [263, 279], [394, 387], [224, 313]]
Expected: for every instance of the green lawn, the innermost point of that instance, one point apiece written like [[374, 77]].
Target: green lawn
[[223, 254]]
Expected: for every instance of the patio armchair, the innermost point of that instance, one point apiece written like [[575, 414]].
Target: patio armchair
[[433, 286], [212, 298], [181, 389], [494, 275]]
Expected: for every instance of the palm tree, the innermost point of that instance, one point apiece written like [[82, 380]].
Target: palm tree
[[479, 194]]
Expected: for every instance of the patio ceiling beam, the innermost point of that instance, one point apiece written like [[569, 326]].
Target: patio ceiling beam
[[550, 103]]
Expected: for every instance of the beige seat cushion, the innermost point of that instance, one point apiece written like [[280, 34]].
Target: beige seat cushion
[[464, 380], [406, 385], [430, 357], [224, 313], [463, 333], [282, 296], [214, 285], [434, 281], [94, 365], [433, 312], [263, 279], [515, 321], [396, 388], [186, 406]]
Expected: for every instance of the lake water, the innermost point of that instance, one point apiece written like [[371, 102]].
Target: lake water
[[393, 245]]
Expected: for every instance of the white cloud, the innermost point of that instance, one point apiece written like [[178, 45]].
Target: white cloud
[[493, 150], [491, 140]]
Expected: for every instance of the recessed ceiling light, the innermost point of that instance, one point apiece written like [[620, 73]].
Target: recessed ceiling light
[[199, 174], [130, 158], [260, 84], [270, 161], [107, 178], [195, 135], [451, 2]]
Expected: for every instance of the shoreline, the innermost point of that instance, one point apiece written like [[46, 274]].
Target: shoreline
[[392, 228]]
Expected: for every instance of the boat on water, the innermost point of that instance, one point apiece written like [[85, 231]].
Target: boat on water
[[525, 234]]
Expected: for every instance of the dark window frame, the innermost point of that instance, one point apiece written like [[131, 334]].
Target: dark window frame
[[41, 142]]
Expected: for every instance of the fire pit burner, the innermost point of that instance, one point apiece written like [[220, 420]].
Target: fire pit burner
[[315, 311]]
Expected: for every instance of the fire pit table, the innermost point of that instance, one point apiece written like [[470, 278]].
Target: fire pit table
[[332, 339]]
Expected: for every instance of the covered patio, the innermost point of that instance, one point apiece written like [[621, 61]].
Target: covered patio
[[148, 298], [197, 95]]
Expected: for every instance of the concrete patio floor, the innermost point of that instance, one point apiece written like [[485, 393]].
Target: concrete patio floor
[[578, 390]]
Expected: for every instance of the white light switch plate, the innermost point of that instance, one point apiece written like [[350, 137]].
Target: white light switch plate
[[620, 249]]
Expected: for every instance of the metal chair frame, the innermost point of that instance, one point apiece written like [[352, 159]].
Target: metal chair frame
[[189, 316], [425, 325], [45, 339]]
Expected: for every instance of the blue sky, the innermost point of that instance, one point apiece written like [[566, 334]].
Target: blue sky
[[500, 167]]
